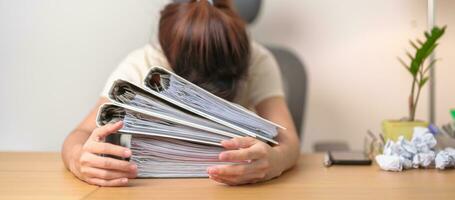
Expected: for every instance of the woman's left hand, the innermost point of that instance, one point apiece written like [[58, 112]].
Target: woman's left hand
[[257, 161]]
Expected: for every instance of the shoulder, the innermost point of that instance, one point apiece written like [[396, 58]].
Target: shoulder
[[262, 60], [137, 64], [264, 77], [259, 53], [149, 55]]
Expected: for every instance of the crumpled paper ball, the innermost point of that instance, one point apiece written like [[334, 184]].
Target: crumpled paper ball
[[418, 152], [445, 158], [389, 163]]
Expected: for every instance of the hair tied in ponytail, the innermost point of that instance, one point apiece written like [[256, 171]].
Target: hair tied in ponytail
[[207, 45], [210, 1]]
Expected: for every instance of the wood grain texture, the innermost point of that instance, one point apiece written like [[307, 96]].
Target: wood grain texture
[[308, 180], [30, 161], [42, 185], [38, 176]]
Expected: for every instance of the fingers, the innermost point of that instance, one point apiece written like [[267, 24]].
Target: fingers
[[108, 183], [106, 130], [254, 170], [257, 168], [107, 148], [231, 170], [234, 180], [92, 160], [254, 152], [240, 155], [222, 180], [236, 174], [104, 171], [239, 142], [94, 144], [105, 174]]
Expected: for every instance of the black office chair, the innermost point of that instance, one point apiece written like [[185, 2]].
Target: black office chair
[[295, 78]]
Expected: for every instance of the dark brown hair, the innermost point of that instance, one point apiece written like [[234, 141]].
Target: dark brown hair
[[206, 44]]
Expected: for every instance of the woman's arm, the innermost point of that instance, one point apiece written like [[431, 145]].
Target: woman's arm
[[260, 161], [82, 149]]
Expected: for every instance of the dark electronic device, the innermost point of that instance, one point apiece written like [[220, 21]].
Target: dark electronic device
[[346, 158]]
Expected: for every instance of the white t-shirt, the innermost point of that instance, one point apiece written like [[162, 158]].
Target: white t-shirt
[[263, 80]]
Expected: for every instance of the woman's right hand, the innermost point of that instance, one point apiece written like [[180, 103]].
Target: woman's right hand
[[89, 166]]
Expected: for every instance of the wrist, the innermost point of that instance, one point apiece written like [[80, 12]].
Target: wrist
[[279, 160], [284, 157]]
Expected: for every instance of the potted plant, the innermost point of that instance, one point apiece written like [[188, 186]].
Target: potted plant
[[418, 68]]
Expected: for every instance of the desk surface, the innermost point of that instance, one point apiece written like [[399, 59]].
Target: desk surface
[[42, 176]]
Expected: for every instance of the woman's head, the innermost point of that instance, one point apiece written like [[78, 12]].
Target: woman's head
[[206, 44]]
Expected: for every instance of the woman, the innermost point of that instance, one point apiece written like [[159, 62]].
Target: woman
[[206, 43]]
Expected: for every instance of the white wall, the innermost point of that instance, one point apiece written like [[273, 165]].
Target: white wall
[[56, 55], [350, 49]]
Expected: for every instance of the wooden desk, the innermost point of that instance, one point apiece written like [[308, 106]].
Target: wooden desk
[[38, 176], [42, 176]]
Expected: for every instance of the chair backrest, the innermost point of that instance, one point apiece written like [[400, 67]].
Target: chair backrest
[[247, 9], [295, 80]]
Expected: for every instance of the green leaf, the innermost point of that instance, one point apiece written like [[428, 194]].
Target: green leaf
[[414, 68], [423, 81], [423, 50], [430, 50]]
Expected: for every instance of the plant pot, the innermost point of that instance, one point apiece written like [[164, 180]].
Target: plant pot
[[394, 128]]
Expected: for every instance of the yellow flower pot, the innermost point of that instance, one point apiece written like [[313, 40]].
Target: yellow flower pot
[[394, 128]]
